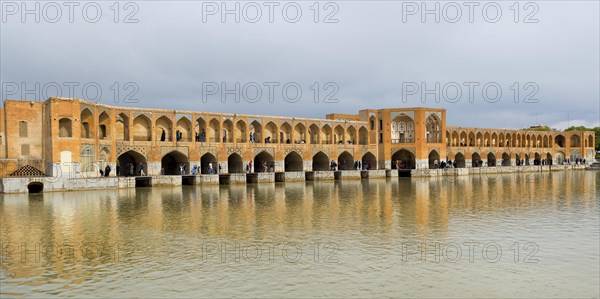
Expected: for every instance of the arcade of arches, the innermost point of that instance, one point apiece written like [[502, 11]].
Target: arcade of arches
[[174, 142]]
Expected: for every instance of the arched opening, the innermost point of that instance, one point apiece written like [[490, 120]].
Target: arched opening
[[463, 138], [293, 162], [314, 134], [434, 129], [256, 131], [486, 139], [526, 162], [208, 164], [538, 142], [403, 159], [87, 124], [491, 160], [559, 140], [591, 141], [128, 163], [560, 158], [263, 162], [104, 127], [494, 139], [320, 162], [65, 128], [402, 129], [434, 159], [351, 139], [122, 127], [174, 163], [369, 162], [537, 159], [454, 139], [285, 134], [575, 141], [505, 159], [517, 160], [200, 130], [240, 132], [471, 139], [326, 135], [141, 128], [164, 129], [476, 160], [545, 142], [345, 161], [548, 159], [339, 135], [184, 127], [235, 164], [270, 133], [227, 134], [479, 139], [214, 130], [35, 187], [299, 134], [460, 160], [363, 136]]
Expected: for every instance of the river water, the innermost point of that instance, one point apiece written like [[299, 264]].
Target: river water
[[510, 235]]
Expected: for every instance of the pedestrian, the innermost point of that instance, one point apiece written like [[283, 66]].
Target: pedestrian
[[210, 168], [107, 170], [142, 173]]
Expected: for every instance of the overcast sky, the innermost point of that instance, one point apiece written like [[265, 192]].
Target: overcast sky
[[374, 56]]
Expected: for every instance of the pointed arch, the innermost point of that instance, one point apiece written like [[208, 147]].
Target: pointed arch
[[142, 128], [326, 133], [363, 136], [320, 162], [434, 129], [271, 132], [235, 164], [403, 159], [351, 135], [241, 131], [184, 126], [345, 161], [256, 129], [368, 161], [293, 162], [227, 131], [214, 130], [164, 129], [175, 163], [104, 128], [285, 133], [128, 163], [315, 134], [459, 158], [434, 159], [122, 127], [87, 123], [208, 164], [263, 162], [299, 133]]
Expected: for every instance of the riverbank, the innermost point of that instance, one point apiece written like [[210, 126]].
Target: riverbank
[[59, 184]]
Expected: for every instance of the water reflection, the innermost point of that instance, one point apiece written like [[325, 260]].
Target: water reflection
[[169, 225]]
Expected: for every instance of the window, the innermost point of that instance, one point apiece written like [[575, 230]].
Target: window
[[380, 137], [372, 125], [87, 159], [64, 128], [380, 124], [22, 129]]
